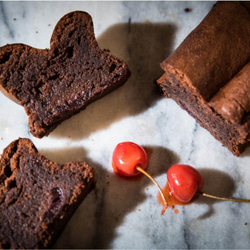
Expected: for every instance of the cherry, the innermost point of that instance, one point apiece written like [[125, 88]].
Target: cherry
[[184, 181], [129, 159], [127, 156]]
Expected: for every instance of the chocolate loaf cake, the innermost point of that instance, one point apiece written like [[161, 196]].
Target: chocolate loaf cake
[[208, 74], [54, 84], [37, 196]]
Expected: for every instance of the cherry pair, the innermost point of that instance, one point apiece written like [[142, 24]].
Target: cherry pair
[[130, 159]]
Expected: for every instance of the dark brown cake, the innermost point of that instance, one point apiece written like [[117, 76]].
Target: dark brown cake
[[37, 196], [54, 84], [208, 75]]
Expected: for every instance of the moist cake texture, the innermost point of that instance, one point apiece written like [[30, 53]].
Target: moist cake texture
[[208, 74], [38, 196], [54, 84]]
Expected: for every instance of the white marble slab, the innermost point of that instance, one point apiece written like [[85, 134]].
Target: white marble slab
[[121, 213]]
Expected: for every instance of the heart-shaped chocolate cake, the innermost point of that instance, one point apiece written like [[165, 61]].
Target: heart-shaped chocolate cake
[[54, 84]]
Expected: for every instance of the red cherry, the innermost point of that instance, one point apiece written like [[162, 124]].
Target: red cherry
[[184, 181], [130, 159], [127, 156]]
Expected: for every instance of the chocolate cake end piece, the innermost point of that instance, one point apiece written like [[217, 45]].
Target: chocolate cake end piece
[[38, 196]]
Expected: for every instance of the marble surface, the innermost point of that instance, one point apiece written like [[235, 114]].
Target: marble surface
[[122, 213]]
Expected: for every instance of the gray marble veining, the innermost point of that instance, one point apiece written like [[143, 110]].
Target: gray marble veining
[[121, 213]]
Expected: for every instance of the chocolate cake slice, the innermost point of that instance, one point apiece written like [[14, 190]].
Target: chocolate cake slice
[[54, 84], [37, 196], [208, 74]]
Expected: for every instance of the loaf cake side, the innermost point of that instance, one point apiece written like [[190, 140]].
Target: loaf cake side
[[54, 84], [211, 55], [38, 196]]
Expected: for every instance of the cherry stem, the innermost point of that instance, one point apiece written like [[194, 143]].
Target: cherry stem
[[154, 181], [222, 198]]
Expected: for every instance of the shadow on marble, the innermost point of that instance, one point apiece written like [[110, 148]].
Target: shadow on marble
[[216, 183], [143, 46], [95, 223], [160, 159], [246, 153], [63, 156]]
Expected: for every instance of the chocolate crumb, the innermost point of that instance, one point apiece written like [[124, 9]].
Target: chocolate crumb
[[14, 19], [187, 9], [106, 50], [246, 224]]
